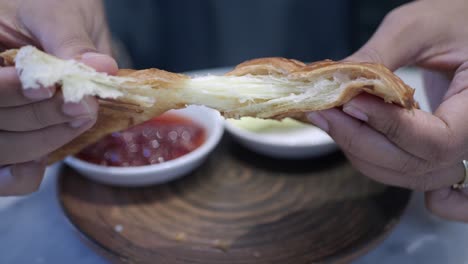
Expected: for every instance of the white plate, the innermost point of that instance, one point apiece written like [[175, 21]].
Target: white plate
[[299, 143], [209, 119]]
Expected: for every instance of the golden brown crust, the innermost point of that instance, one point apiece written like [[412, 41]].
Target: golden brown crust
[[122, 113], [267, 66], [8, 57], [392, 90], [152, 75]]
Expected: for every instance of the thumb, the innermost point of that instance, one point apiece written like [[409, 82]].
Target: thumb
[[63, 33], [100, 62], [397, 42]]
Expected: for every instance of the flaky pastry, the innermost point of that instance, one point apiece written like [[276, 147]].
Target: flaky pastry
[[264, 88]]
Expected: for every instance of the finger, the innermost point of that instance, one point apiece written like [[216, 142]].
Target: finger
[[436, 85], [448, 203], [104, 43], [417, 132], [437, 179], [62, 33], [395, 43], [11, 93], [46, 113], [453, 112], [439, 138], [459, 82], [354, 136], [100, 62], [67, 33], [102, 35], [26, 146], [22, 178]]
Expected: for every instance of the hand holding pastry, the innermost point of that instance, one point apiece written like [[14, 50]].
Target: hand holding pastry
[[416, 150], [36, 122]]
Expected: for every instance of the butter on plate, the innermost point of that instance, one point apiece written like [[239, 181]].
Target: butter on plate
[[268, 126], [286, 139]]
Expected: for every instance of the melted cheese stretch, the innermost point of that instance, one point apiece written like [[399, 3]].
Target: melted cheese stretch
[[245, 88], [235, 92], [241, 90]]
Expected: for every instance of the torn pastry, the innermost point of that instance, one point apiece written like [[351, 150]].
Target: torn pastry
[[264, 88]]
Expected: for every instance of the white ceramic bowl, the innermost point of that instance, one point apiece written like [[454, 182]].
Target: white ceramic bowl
[[300, 143], [209, 119]]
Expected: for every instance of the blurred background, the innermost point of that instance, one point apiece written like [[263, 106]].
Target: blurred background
[[183, 35]]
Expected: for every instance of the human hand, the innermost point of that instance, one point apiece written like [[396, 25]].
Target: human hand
[[36, 122], [413, 149]]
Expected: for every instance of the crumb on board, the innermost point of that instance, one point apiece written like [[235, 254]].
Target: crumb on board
[[221, 245], [181, 237], [118, 228], [257, 254]]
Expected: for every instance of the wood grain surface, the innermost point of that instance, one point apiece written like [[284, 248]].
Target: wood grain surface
[[238, 207]]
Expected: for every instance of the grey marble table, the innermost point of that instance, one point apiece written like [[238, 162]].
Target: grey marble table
[[33, 229]]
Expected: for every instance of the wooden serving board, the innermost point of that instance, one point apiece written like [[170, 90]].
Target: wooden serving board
[[238, 207]]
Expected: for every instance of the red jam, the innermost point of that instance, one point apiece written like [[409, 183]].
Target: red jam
[[161, 139]]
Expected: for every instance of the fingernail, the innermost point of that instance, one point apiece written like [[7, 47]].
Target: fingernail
[[76, 109], [355, 112], [79, 122], [5, 176], [38, 94], [441, 194], [89, 55], [41, 160], [318, 120]]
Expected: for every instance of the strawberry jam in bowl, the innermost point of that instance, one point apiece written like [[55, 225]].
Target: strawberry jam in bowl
[[161, 139], [159, 150]]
